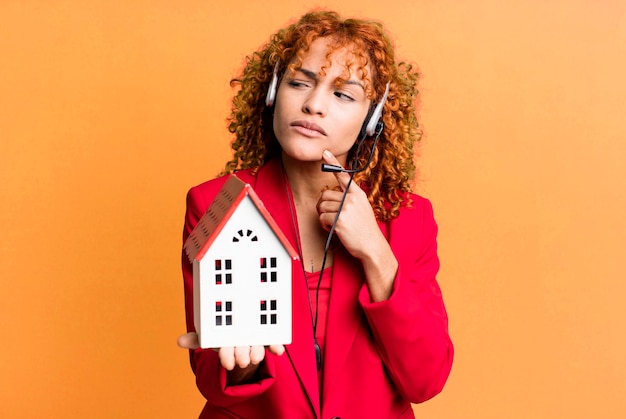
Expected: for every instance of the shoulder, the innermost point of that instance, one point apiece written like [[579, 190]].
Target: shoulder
[[263, 179], [416, 219], [202, 194], [412, 235], [416, 207]]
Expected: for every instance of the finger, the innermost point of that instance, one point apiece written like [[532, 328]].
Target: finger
[[327, 220], [330, 158], [342, 178], [257, 354], [188, 341], [276, 349], [242, 356], [328, 205], [331, 195], [324, 204], [226, 355]]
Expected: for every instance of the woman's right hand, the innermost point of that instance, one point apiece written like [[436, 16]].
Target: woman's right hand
[[245, 358]]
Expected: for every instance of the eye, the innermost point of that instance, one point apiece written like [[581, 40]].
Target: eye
[[297, 83], [345, 96]]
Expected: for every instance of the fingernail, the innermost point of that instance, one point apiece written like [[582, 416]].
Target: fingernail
[[327, 154]]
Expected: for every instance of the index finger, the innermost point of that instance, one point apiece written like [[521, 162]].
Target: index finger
[[342, 177]]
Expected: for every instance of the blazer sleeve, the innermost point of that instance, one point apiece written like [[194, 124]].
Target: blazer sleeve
[[410, 329], [210, 375]]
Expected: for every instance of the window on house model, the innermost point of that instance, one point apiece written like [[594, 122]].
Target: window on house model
[[269, 270], [223, 313], [268, 311], [245, 234], [223, 271]]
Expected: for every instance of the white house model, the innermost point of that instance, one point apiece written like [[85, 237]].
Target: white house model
[[242, 265]]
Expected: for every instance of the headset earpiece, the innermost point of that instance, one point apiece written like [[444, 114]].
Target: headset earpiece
[[271, 91], [369, 126]]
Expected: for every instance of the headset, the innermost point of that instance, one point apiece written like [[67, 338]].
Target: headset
[[271, 91], [372, 126]]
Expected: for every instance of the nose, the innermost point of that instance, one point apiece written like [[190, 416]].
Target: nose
[[315, 103]]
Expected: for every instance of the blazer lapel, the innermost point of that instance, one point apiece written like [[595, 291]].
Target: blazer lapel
[[344, 316]]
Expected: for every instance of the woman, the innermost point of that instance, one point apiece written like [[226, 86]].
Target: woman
[[370, 333]]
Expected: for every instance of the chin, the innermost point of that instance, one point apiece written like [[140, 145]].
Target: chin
[[303, 156], [304, 160]]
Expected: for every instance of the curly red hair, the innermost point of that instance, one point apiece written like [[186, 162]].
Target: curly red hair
[[387, 179]]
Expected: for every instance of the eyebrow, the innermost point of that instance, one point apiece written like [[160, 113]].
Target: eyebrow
[[313, 75]]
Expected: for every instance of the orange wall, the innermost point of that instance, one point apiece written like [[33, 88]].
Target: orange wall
[[110, 110]]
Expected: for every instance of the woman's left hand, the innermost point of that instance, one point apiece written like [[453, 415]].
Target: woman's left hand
[[358, 231], [356, 227]]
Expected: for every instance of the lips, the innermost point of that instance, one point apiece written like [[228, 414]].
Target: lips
[[308, 127]]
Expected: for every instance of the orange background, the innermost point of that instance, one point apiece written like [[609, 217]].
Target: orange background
[[111, 110]]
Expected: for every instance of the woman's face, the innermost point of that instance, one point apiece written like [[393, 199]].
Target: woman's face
[[312, 113]]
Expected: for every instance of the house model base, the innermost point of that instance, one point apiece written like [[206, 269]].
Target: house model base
[[242, 271]]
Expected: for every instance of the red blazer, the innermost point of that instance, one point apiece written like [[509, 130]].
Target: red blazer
[[379, 357]]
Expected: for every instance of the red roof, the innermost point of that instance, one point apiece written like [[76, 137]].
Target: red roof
[[218, 214]]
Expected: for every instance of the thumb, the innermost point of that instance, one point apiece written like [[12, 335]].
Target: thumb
[[188, 341], [342, 178]]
